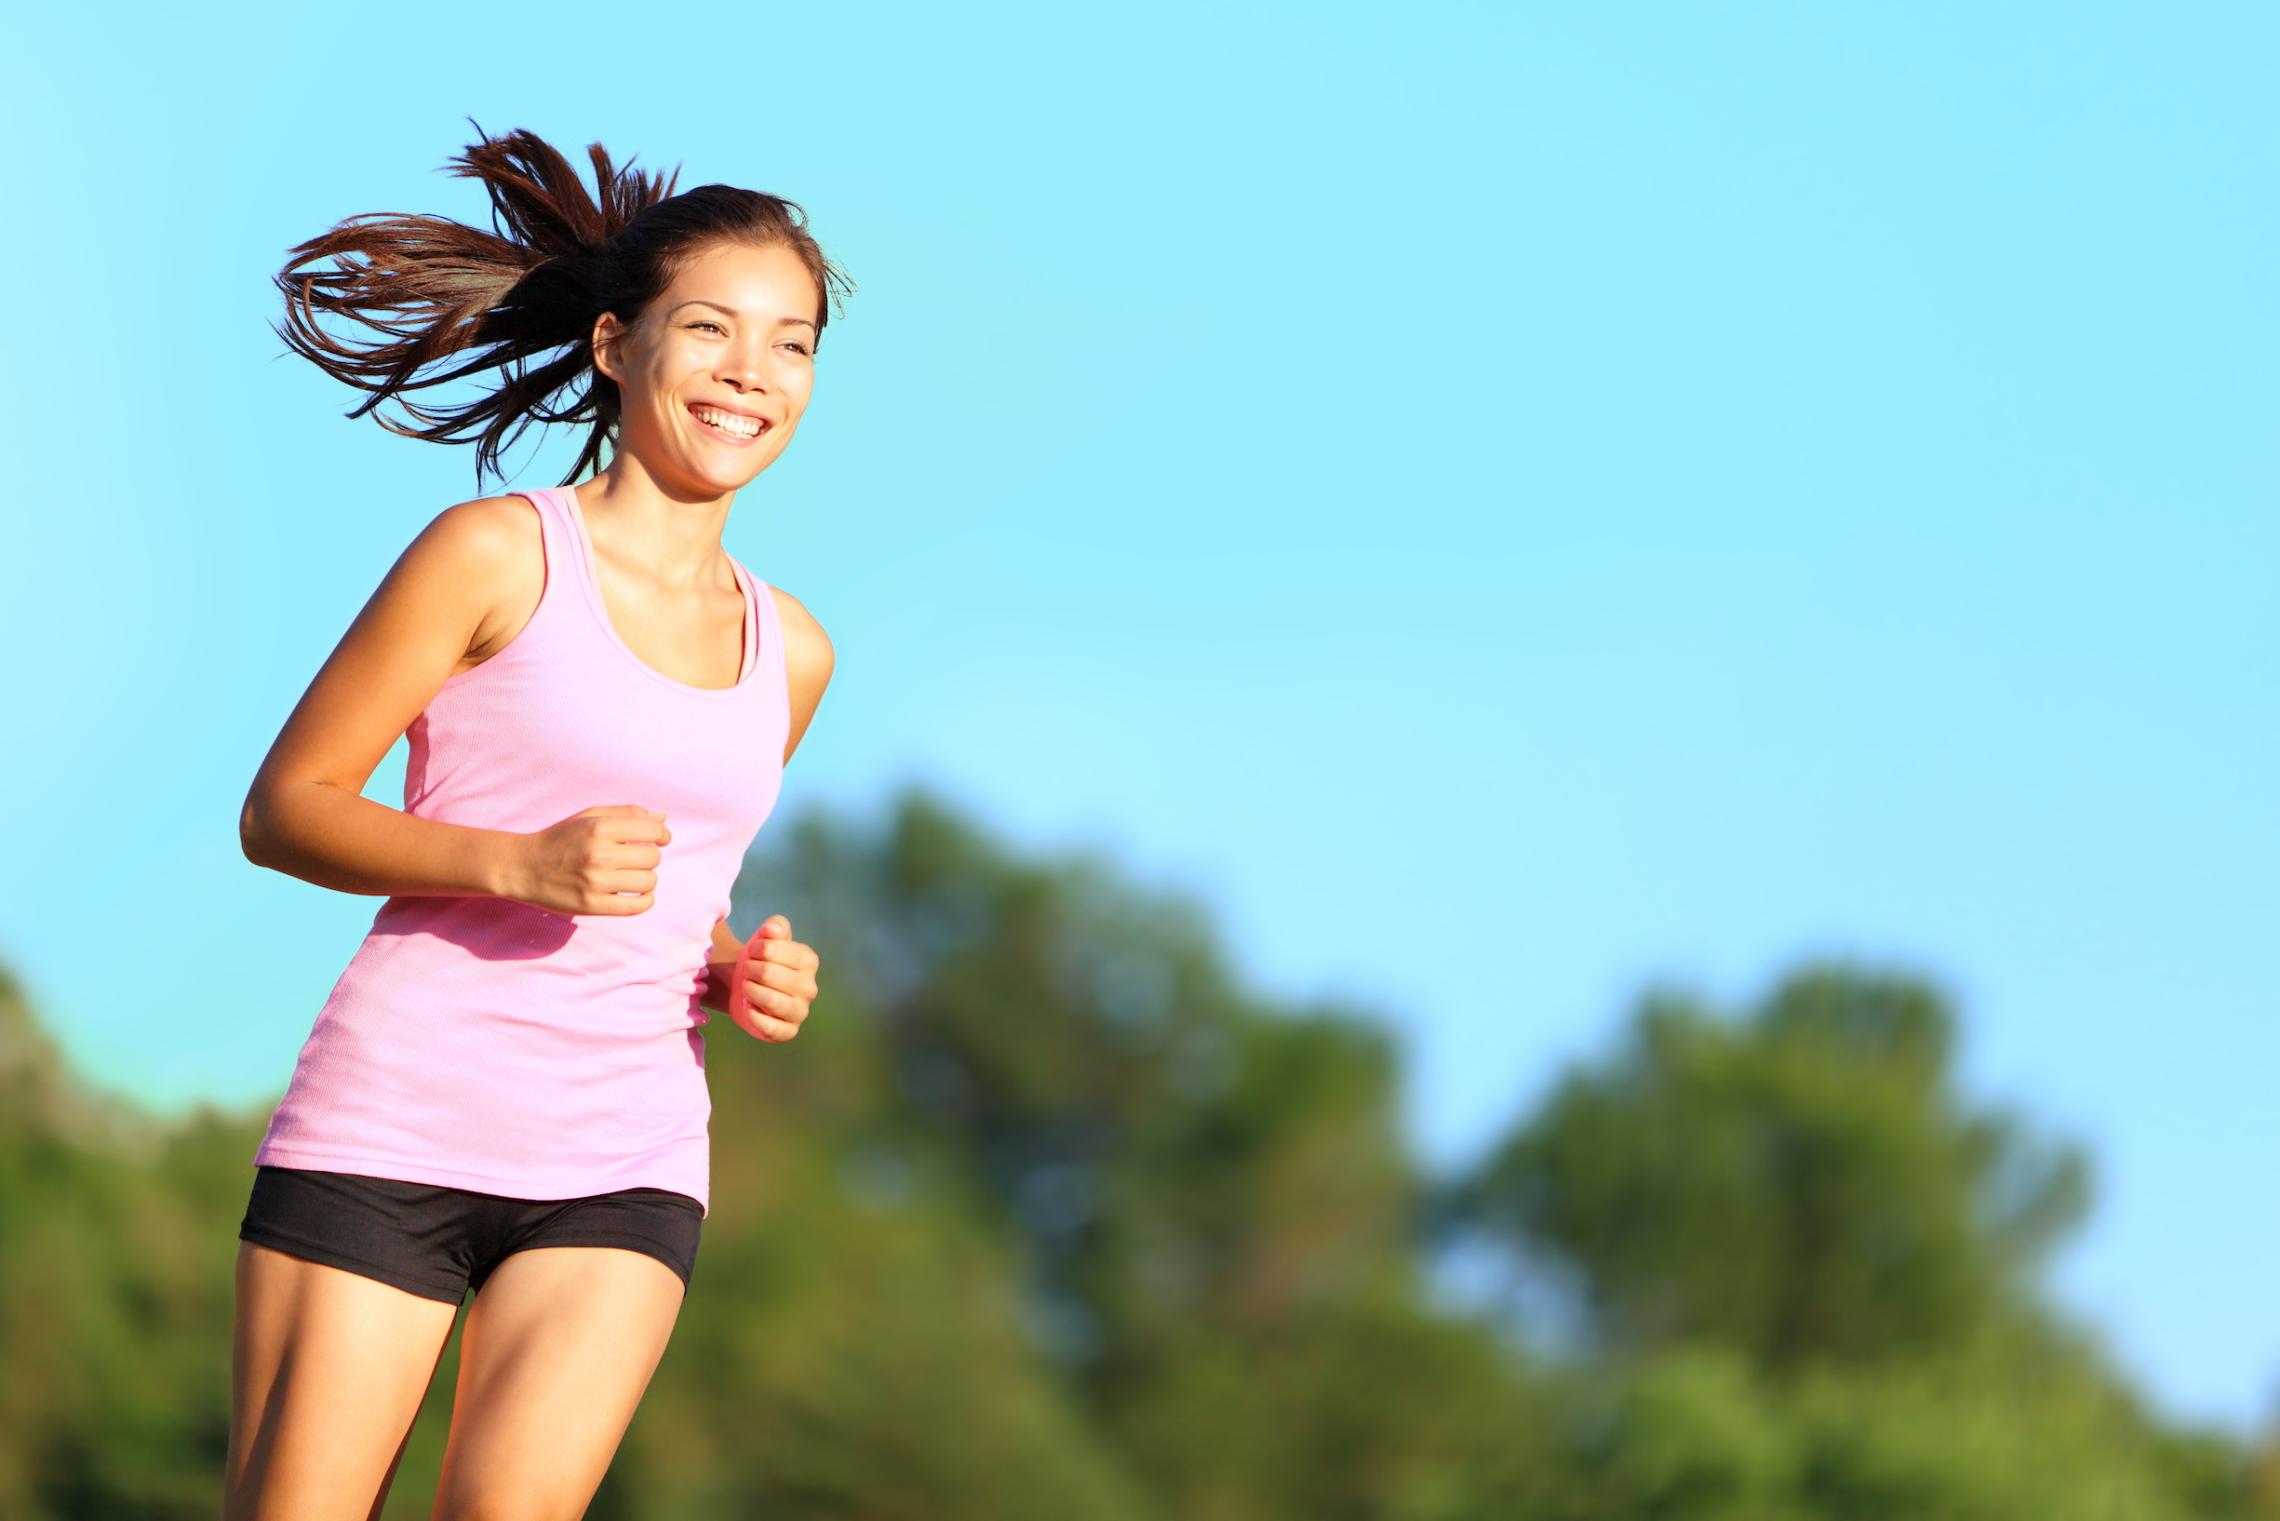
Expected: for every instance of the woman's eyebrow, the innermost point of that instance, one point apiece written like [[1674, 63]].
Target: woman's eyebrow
[[731, 311]]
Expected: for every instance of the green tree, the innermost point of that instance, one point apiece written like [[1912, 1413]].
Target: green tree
[[1802, 1185], [1806, 1270]]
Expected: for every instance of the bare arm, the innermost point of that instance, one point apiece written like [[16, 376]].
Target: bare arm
[[808, 662], [305, 814]]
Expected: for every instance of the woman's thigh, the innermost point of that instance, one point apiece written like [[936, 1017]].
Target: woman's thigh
[[328, 1369], [558, 1348]]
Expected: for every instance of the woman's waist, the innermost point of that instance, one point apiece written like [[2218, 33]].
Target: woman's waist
[[535, 1006], [673, 932]]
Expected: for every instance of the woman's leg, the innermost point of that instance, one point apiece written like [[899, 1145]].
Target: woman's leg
[[328, 1369], [558, 1348]]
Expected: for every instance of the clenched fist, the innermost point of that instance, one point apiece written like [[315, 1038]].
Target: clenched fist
[[772, 981], [600, 860]]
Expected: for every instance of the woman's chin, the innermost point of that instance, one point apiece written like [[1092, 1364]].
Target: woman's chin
[[719, 477]]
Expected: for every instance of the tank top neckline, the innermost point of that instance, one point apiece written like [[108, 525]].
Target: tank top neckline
[[589, 580]]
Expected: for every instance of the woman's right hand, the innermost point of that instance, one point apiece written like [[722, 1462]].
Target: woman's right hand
[[600, 860]]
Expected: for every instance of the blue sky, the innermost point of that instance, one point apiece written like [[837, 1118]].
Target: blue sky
[[1510, 504]]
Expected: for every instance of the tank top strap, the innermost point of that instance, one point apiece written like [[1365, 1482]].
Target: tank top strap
[[565, 555], [751, 647], [565, 558], [768, 647]]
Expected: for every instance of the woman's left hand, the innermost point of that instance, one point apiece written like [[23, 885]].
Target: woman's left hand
[[778, 982]]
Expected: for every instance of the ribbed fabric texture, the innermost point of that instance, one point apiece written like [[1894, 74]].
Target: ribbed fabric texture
[[480, 1043]]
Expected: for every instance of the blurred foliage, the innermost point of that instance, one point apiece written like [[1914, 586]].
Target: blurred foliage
[[1045, 1216], [1859, 1213]]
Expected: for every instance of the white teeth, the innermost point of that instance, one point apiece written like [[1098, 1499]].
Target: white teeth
[[742, 427]]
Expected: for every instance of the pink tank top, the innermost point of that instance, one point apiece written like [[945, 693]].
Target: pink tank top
[[485, 1044]]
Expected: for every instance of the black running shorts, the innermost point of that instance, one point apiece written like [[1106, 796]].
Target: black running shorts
[[439, 1241]]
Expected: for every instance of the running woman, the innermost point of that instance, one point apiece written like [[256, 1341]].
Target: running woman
[[505, 1091]]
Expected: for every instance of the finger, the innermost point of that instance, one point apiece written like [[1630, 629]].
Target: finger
[[789, 955], [798, 963], [797, 954], [774, 1001], [781, 926], [774, 1011], [785, 979]]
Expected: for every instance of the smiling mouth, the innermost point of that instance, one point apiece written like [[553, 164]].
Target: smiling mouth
[[728, 427]]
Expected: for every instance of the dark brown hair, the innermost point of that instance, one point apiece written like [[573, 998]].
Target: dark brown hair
[[556, 259]]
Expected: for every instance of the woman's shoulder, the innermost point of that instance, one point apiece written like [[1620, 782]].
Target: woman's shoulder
[[487, 535], [490, 550], [510, 515], [805, 642]]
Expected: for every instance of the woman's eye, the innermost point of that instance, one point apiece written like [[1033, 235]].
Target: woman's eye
[[797, 348]]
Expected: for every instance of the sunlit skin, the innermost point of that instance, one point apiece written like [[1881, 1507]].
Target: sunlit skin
[[735, 328]]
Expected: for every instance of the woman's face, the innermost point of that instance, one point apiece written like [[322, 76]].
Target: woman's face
[[735, 333]]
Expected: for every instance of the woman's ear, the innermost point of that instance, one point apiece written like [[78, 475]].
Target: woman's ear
[[607, 330]]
